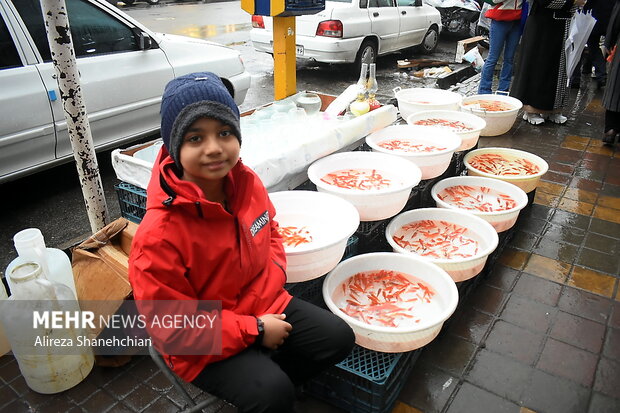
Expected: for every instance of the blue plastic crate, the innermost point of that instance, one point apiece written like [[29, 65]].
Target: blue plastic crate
[[132, 200], [365, 382]]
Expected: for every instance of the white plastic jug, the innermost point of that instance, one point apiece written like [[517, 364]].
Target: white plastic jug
[[55, 264], [46, 368]]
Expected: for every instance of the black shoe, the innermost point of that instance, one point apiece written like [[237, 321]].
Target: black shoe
[[610, 137]]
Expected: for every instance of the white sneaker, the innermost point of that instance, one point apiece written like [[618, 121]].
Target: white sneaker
[[557, 118], [533, 118]]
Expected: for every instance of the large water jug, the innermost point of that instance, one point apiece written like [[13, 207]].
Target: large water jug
[[50, 359], [55, 264]]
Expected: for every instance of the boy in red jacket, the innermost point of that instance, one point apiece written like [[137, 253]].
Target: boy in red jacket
[[209, 234]]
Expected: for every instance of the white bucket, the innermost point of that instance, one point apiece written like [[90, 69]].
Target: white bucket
[[469, 137], [415, 100], [498, 122]]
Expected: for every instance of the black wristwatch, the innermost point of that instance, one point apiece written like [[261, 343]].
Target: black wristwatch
[[261, 330]]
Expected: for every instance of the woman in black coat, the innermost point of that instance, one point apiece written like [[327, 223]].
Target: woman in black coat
[[611, 97]]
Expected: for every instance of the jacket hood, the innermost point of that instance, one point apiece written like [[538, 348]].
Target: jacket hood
[[166, 189]]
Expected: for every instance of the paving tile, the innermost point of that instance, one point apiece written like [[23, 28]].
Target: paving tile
[[82, 391], [428, 388], [487, 299], [17, 406], [471, 325], [531, 225], [607, 377], [9, 371], [161, 405], [568, 156], [547, 268], [596, 163], [528, 314], [612, 180], [557, 178], [561, 168], [577, 139], [501, 375], [120, 407], [513, 258], [609, 202], [32, 398], [606, 228], [598, 261], [556, 250], [58, 404], [564, 234], [606, 245], [594, 175], [549, 200], [567, 361], [574, 145], [159, 383], [19, 386], [611, 348], [537, 211], [592, 281], [603, 404], [610, 190], [470, 398], [97, 401], [122, 385], [601, 150], [581, 195], [502, 277], [551, 394], [449, 353], [524, 241], [144, 369], [614, 319], [585, 184], [585, 304], [579, 332], [516, 342], [550, 188], [140, 398], [538, 289], [7, 394], [578, 207], [101, 376], [570, 219], [607, 214]]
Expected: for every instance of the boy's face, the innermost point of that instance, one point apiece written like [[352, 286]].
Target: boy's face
[[208, 152]]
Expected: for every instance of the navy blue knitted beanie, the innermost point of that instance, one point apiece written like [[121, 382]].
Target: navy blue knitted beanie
[[190, 97]]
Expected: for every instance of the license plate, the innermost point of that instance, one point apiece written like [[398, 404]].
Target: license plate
[[299, 50]]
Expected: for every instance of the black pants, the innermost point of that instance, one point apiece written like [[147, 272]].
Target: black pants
[[612, 121], [261, 380]]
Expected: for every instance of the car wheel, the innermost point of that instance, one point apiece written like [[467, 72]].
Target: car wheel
[[429, 43], [366, 54]]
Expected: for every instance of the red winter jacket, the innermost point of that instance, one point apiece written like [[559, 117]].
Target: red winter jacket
[[193, 249], [504, 10]]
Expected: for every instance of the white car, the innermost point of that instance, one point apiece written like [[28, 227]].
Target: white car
[[356, 31], [123, 69]]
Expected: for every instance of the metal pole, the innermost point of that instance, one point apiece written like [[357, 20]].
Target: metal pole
[[68, 78]]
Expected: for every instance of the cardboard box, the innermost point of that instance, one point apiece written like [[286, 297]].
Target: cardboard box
[[100, 269]]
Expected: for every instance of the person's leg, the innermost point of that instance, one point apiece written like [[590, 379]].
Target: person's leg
[[596, 56], [319, 339], [250, 380], [513, 33], [497, 36]]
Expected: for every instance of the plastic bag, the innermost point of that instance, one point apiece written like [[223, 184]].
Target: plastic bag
[[475, 58]]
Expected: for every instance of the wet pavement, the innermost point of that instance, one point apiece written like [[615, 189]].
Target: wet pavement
[[540, 332]]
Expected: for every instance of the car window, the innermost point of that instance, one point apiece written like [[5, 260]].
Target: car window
[[380, 3], [9, 57], [93, 31], [404, 3]]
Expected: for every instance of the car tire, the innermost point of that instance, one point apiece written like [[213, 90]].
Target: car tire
[[366, 54], [430, 41]]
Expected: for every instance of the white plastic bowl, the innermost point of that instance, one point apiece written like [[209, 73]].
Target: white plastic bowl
[[501, 220], [376, 204], [526, 182], [469, 138], [331, 221], [392, 339], [432, 164], [420, 99], [498, 122], [459, 269]]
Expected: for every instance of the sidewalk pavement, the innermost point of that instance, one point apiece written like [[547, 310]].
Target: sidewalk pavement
[[540, 333]]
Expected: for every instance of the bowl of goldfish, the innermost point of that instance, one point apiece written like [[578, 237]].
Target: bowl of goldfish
[[520, 168], [393, 302], [418, 99], [499, 111], [428, 148], [495, 201], [314, 228], [378, 185], [466, 125], [456, 241]]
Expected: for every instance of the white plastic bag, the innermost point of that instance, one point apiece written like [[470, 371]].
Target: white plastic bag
[[475, 58]]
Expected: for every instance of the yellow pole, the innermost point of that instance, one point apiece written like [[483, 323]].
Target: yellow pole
[[284, 76]]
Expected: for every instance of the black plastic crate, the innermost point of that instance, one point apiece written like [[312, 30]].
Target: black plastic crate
[[132, 200], [366, 381]]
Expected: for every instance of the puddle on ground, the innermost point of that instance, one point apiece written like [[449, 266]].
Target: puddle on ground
[[212, 30]]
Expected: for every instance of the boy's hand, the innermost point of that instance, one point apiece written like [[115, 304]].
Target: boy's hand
[[276, 330]]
